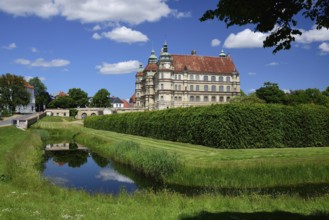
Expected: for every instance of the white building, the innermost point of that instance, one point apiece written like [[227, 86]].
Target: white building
[[30, 107], [186, 80]]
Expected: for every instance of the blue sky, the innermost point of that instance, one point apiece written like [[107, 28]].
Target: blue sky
[[94, 44]]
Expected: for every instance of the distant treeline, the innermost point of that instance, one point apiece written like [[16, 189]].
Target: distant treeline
[[227, 126]]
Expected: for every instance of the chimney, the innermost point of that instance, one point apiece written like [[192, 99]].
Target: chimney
[[193, 52]]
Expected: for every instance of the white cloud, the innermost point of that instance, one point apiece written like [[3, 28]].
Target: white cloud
[[245, 39], [27, 78], [97, 36], [118, 68], [111, 175], [97, 28], [88, 11], [22, 61], [324, 47], [43, 63], [313, 35], [273, 64], [179, 15], [215, 42], [251, 73], [125, 35], [10, 46], [34, 50]]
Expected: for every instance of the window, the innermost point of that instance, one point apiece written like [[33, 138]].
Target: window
[[191, 77], [213, 88], [179, 87], [197, 88], [221, 88], [176, 87], [191, 87], [192, 98], [205, 78], [221, 99], [162, 87], [213, 78], [179, 77], [213, 98], [205, 87], [205, 99], [175, 76], [197, 98], [179, 98], [197, 77], [228, 88], [220, 79], [161, 98], [228, 79], [175, 98], [228, 99]]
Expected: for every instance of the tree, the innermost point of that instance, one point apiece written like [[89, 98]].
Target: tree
[[326, 92], [274, 16], [316, 97], [62, 102], [271, 93], [247, 99], [101, 99], [79, 96], [13, 92], [42, 98]]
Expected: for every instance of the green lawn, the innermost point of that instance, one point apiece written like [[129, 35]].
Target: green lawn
[[27, 196]]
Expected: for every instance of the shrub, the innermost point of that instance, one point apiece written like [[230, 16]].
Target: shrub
[[227, 126]]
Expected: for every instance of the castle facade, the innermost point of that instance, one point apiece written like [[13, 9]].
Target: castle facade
[[185, 80]]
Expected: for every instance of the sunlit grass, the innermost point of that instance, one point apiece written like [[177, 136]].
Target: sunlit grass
[[28, 196]]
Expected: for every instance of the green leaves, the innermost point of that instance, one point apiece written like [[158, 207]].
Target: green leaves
[[227, 126]]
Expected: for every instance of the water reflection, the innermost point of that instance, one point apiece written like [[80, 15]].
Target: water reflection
[[74, 166]]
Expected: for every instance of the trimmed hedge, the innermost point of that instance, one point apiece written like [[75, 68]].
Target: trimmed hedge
[[226, 126]]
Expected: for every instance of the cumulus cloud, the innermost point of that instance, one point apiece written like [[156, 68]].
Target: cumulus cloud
[[43, 63], [10, 46], [245, 39], [324, 47], [88, 11], [123, 35], [118, 68], [313, 35], [215, 42], [97, 36]]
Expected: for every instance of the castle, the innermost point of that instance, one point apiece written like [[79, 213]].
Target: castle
[[185, 80]]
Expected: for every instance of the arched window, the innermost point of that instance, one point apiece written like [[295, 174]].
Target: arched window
[[197, 88], [221, 88], [205, 87], [228, 99], [191, 87], [197, 77], [192, 98], [221, 99], [205, 98], [213, 98], [228, 88], [191, 77], [197, 98], [213, 78], [213, 88], [220, 79], [228, 79], [205, 78]]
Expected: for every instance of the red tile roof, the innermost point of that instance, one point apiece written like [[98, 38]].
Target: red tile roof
[[28, 85], [125, 103], [61, 93], [203, 64], [133, 98], [151, 67]]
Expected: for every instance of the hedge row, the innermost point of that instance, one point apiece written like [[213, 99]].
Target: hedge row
[[226, 126]]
